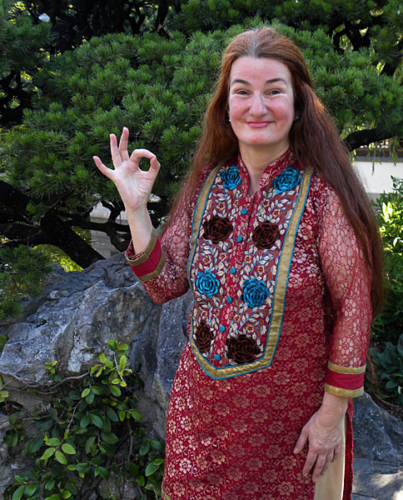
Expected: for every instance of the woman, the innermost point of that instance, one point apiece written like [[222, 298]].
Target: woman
[[275, 236]]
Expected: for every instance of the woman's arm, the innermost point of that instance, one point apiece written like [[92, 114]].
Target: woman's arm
[[348, 283], [134, 186]]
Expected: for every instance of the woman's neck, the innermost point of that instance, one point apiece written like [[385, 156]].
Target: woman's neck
[[256, 161]]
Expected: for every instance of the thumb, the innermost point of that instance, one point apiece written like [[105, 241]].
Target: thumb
[[302, 440]]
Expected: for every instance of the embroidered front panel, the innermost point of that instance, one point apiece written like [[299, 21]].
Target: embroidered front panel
[[240, 247]]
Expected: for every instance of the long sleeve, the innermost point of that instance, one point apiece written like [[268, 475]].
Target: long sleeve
[[162, 266], [348, 282]]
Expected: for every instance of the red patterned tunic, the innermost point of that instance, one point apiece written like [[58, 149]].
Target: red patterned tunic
[[281, 313]]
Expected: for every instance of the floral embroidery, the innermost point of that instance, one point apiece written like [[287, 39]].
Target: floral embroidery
[[217, 229], [243, 349], [288, 179], [207, 283], [266, 235], [255, 292], [203, 337], [231, 177]]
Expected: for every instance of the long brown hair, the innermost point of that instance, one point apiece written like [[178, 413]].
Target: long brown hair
[[314, 138]]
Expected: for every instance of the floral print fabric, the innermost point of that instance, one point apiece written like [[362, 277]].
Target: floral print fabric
[[233, 438]]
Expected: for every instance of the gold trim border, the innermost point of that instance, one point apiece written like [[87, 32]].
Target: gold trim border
[[146, 252], [346, 370], [280, 288], [346, 393], [154, 274], [198, 214]]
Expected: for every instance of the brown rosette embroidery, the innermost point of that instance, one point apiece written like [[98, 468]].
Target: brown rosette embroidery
[[217, 229], [203, 337], [266, 235], [243, 349]]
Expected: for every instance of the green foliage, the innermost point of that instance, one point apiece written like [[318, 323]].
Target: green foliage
[[21, 273], [89, 432], [22, 55], [3, 393], [389, 324], [389, 370], [159, 88]]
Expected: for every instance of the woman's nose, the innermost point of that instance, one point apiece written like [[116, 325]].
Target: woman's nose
[[257, 105]]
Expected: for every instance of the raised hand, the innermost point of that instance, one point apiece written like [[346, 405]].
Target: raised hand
[[134, 185]]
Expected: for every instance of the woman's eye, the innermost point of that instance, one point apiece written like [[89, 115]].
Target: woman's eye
[[274, 92]]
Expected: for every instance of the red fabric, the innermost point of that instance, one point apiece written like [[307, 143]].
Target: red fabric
[[344, 380], [233, 439], [149, 265]]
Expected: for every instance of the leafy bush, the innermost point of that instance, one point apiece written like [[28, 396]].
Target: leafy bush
[[389, 369], [389, 324], [21, 273], [88, 432]]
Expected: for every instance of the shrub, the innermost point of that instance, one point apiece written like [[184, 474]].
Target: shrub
[[88, 432], [389, 324]]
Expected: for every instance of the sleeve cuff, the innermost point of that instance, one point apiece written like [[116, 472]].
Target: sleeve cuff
[[148, 264], [345, 381]]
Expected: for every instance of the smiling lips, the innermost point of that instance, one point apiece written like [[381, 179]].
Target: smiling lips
[[257, 124]]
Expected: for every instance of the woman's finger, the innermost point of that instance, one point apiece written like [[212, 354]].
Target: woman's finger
[[336, 452], [319, 465], [138, 154], [116, 158], [329, 460], [123, 144], [310, 461], [105, 170]]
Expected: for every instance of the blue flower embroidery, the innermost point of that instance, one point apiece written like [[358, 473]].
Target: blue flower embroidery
[[288, 179], [207, 283], [231, 177], [255, 292]]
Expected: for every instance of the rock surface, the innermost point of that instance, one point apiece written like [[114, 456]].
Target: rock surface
[[77, 313]]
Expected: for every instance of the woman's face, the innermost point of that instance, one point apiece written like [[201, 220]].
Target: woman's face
[[261, 104]]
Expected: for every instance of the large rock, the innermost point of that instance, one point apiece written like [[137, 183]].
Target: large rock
[[377, 434], [72, 321]]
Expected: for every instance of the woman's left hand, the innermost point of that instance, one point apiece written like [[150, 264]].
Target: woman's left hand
[[323, 433]]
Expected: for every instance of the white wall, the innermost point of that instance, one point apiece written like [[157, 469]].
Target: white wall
[[377, 177]]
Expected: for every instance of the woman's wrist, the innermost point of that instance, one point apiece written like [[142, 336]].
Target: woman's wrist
[[334, 405]]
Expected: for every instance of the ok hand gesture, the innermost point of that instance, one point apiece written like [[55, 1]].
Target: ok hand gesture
[[134, 185]]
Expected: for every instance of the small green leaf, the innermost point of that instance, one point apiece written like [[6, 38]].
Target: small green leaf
[[69, 449], [49, 485], [112, 414], [145, 448], [156, 444], [136, 414], [141, 481], [122, 415], [104, 473], [52, 441], [133, 469], [85, 392], [66, 494], [151, 468], [88, 445], [48, 453], [18, 493], [61, 458], [122, 362], [30, 490], [97, 421], [115, 391], [85, 421], [90, 398]]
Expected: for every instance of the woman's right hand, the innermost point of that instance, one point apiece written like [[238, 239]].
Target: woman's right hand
[[134, 185]]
